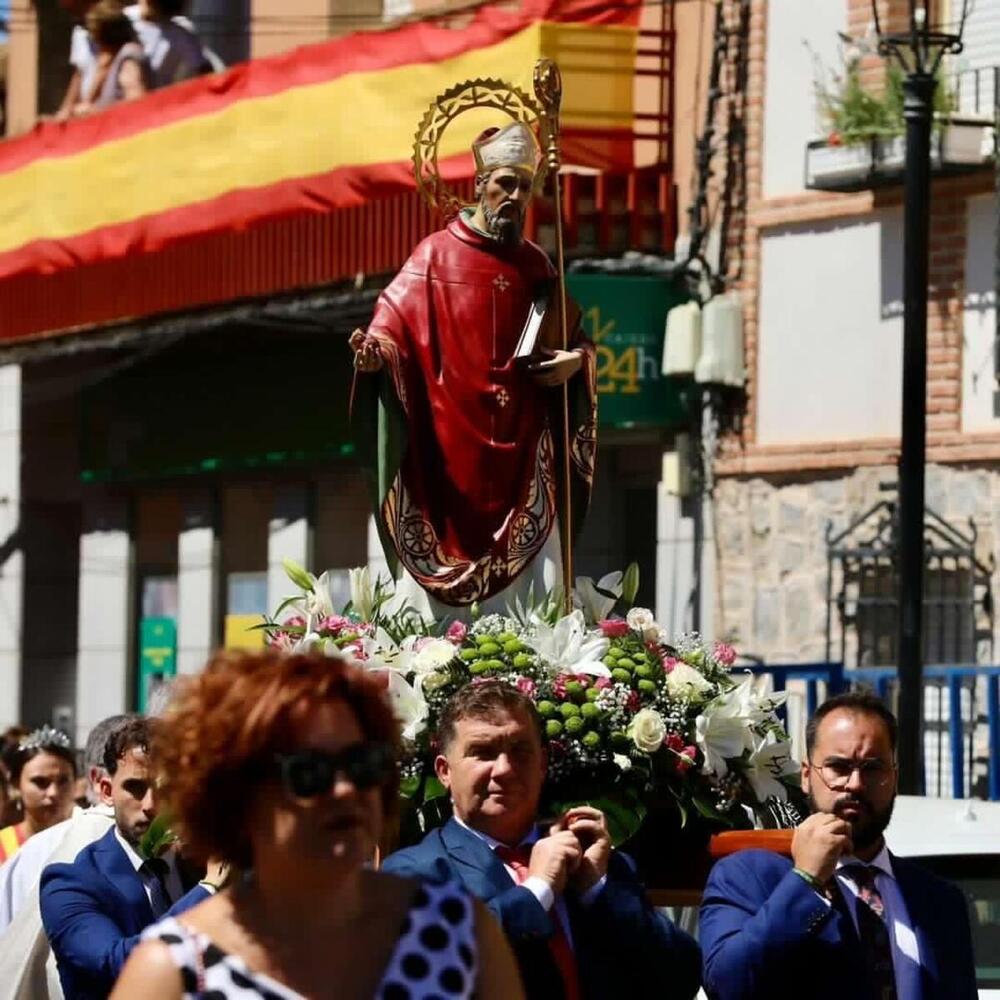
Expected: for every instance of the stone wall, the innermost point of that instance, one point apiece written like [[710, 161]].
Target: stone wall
[[771, 554]]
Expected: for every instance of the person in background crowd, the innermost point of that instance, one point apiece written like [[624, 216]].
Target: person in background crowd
[[10, 803], [94, 909], [42, 769], [27, 967], [285, 766], [82, 58], [842, 917], [169, 41], [19, 876], [572, 907], [122, 71]]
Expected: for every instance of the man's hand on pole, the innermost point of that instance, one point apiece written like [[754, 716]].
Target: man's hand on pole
[[367, 357]]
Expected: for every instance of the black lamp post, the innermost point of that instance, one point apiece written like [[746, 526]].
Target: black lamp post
[[918, 47]]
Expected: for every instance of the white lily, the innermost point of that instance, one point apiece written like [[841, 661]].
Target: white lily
[[569, 648], [381, 653], [408, 705], [594, 605], [770, 761], [362, 592], [725, 729]]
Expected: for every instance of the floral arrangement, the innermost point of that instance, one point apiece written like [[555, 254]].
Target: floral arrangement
[[630, 718]]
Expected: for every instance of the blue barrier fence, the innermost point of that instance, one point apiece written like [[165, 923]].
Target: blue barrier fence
[[953, 679]]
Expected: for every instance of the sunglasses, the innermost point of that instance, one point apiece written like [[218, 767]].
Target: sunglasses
[[309, 773]]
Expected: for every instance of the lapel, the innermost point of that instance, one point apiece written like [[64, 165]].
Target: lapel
[[919, 907], [113, 863], [480, 869]]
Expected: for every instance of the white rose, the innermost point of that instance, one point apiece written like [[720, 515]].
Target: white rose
[[648, 730], [622, 762], [433, 655], [641, 620], [686, 682]]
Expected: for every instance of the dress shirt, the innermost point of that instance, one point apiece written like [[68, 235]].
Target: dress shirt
[[538, 887], [902, 936], [172, 883]]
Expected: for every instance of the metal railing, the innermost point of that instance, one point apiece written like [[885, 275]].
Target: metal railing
[[967, 715]]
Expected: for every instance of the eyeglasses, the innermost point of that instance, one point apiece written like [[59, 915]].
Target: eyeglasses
[[309, 773], [836, 772]]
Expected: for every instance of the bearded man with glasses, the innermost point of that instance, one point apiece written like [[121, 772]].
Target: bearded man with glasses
[[843, 918]]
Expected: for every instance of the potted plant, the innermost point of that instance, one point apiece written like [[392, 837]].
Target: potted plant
[[864, 127]]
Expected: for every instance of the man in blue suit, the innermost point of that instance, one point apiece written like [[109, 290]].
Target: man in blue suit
[[572, 908], [95, 909], [843, 918]]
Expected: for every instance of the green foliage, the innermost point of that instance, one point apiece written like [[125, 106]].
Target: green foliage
[[158, 838], [852, 113]]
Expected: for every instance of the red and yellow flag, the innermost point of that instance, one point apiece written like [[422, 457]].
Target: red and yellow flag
[[322, 127]]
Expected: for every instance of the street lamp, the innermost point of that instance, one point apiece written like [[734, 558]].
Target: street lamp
[[919, 46]]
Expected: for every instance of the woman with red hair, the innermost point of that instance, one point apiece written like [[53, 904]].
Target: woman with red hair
[[285, 766]]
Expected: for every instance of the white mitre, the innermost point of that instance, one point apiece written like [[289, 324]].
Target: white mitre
[[513, 145]]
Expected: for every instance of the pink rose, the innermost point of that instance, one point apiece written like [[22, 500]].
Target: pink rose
[[526, 686], [724, 654], [334, 623], [559, 684], [633, 703], [457, 631], [674, 742], [669, 662], [603, 683], [614, 628], [296, 621]]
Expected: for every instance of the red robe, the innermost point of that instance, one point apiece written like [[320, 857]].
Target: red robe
[[470, 498]]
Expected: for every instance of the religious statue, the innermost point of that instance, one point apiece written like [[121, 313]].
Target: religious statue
[[479, 426]]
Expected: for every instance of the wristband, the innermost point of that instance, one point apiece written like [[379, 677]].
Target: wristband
[[811, 880], [214, 886]]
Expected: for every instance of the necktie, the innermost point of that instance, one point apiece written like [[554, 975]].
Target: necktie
[[155, 870], [873, 931], [562, 954]]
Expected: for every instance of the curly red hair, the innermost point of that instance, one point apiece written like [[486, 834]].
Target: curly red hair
[[224, 725]]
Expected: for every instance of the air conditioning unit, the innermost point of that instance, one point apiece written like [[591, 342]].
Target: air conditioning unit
[[682, 341], [721, 359]]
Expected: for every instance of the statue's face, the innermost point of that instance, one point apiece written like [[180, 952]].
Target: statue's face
[[504, 197]]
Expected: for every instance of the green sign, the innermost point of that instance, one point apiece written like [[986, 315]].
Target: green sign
[[625, 316], [157, 655]]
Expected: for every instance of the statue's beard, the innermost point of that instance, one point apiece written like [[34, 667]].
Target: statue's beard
[[503, 228]]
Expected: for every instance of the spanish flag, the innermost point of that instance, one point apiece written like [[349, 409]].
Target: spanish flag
[[314, 130]]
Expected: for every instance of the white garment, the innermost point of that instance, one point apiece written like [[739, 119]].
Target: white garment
[[20, 875], [174, 886], [172, 48], [27, 965], [83, 58]]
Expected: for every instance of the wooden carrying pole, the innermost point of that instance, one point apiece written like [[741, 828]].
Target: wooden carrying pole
[[548, 90]]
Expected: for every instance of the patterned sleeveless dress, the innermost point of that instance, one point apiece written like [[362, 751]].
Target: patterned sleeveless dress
[[435, 956]]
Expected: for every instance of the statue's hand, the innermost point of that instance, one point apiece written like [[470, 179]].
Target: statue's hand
[[367, 357], [556, 368]]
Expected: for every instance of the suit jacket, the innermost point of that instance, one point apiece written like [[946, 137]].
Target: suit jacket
[[620, 941], [765, 932], [94, 911], [27, 965]]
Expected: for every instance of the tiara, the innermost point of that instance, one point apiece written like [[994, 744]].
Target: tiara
[[45, 737]]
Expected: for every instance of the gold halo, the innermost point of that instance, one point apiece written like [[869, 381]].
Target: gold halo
[[443, 110]]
